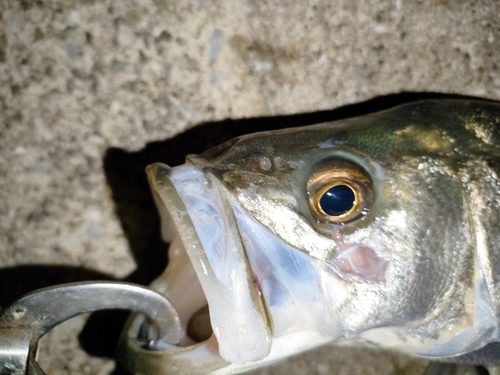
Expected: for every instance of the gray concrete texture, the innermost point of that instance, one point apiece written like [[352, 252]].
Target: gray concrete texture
[[85, 84]]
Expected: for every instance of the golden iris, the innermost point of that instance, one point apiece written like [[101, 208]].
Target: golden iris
[[339, 191]]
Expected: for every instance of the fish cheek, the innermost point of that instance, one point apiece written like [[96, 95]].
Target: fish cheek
[[357, 254]]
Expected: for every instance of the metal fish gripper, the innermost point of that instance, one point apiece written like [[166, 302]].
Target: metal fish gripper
[[24, 322]]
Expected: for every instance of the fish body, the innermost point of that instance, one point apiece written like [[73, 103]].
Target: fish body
[[381, 230]]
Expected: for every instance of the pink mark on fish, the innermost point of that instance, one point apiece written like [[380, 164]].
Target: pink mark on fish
[[360, 260]]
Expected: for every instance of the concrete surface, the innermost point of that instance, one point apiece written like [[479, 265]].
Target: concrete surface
[[86, 85]]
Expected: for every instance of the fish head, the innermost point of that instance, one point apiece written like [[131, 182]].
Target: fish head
[[356, 229]]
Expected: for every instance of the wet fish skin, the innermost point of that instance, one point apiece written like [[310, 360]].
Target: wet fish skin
[[435, 168], [415, 269]]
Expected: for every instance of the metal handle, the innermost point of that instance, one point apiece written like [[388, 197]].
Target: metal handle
[[29, 318]]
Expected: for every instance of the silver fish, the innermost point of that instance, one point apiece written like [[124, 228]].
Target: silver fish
[[381, 230]]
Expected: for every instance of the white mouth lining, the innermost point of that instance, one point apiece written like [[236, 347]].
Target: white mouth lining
[[202, 356], [237, 313]]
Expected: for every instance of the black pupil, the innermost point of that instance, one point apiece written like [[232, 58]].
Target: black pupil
[[337, 200]]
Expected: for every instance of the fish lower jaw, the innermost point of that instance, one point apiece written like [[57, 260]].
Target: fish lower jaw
[[238, 334], [201, 350], [212, 263], [242, 337]]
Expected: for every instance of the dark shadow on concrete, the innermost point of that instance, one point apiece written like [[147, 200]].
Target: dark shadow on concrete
[[136, 210]]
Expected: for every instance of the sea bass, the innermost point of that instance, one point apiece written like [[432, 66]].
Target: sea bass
[[381, 230]]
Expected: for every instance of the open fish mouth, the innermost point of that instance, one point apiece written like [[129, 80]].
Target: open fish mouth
[[264, 297], [210, 234]]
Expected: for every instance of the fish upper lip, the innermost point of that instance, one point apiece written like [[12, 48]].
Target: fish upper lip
[[237, 312]]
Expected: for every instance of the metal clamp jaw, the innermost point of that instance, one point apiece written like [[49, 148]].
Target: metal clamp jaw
[[29, 318]]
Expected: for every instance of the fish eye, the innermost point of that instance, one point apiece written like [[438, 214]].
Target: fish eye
[[339, 191]]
